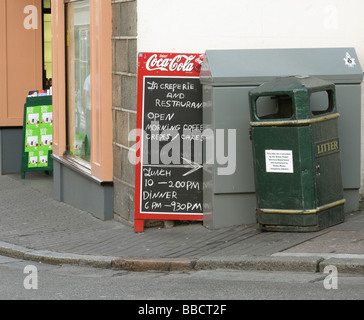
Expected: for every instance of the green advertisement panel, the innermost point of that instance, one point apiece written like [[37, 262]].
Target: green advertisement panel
[[37, 135]]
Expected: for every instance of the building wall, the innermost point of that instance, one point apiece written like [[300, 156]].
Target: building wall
[[246, 24], [124, 78], [19, 72]]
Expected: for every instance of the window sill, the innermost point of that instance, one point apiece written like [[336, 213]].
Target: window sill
[[76, 166]]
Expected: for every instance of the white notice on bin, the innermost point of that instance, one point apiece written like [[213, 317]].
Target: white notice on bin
[[279, 161]]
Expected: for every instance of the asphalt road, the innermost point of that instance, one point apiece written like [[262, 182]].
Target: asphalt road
[[25, 280]]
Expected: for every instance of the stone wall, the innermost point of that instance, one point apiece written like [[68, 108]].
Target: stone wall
[[124, 40]]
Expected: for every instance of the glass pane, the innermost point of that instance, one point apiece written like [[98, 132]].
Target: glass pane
[[46, 4], [48, 47], [78, 80]]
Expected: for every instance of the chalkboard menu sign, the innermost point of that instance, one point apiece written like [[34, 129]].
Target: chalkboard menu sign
[[169, 138]]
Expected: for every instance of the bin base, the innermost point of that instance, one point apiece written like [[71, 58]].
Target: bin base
[[301, 222]]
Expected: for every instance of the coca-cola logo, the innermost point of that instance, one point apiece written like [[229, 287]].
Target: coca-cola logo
[[180, 62]]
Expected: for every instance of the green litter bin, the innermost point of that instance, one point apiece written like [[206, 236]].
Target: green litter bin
[[296, 152]]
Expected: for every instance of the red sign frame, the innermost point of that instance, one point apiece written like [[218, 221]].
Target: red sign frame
[[170, 65]]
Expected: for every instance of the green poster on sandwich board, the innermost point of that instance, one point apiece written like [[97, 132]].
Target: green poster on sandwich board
[[37, 135]]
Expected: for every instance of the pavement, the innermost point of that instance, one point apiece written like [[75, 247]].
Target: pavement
[[35, 227]]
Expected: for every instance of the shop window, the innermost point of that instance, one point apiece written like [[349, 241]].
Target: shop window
[[47, 44], [78, 81], [82, 58]]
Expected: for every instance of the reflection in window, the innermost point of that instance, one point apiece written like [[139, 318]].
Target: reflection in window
[[78, 80], [47, 44]]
